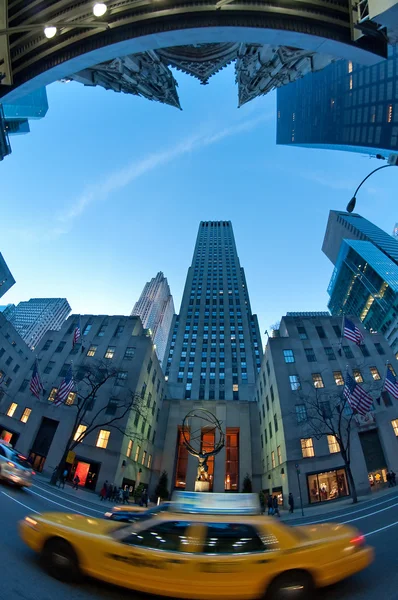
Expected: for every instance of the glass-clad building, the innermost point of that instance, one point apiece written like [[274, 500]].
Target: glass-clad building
[[343, 107]]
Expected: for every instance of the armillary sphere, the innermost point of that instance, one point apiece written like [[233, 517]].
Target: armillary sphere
[[193, 437]]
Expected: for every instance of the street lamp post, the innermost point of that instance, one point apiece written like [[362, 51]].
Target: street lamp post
[[392, 162]]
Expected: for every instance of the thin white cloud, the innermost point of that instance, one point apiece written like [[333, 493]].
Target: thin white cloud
[[123, 177]]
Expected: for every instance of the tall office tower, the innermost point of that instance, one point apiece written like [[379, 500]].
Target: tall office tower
[[365, 278], [345, 106], [6, 279], [214, 354], [395, 231], [156, 309], [34, 317]]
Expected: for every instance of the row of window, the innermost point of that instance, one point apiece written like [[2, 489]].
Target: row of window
[[25, 415], [318, 382], [311, 357]]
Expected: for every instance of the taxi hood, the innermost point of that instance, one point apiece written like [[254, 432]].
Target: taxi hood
[[79, 522], [325, 531]]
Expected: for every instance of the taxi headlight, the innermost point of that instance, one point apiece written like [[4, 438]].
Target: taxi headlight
[[108, 515], [32, 523]]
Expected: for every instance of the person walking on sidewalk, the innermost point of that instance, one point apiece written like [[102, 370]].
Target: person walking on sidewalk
[[389, 480], [393, 478], [275, 506], [63, 478], [126, 496], [291, 503], [270, 505], [109, 492], [103, 492], [76, 482]]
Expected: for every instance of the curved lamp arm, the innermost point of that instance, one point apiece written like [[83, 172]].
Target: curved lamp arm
[[352, 202]]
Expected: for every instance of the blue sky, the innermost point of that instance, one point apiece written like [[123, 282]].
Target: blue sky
[[108, 189]]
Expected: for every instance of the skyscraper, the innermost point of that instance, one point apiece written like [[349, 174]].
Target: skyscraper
[[6, 279], [36, 316], [156, 309], [345, 106], [214, 354], [365, 278], [395, 231]]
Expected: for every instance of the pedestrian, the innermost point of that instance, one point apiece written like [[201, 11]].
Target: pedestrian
[[114, 493], [109, 492], [270, 505], [388, 477], [393, 478], [275, 506], [63, 478], [76, 482], [291, 503], [144, 498], [103, 492], [126, 496], [120, 494]]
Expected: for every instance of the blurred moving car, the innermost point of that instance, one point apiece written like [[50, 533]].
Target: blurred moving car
[[14, 467], [132, 514], [200, 550]]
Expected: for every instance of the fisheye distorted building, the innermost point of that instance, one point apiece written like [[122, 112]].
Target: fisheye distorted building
[[6, 278]]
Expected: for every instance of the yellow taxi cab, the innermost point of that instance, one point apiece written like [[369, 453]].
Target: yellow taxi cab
[[200, 550]]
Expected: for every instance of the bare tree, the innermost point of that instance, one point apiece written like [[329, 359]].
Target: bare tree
[[91, 380]]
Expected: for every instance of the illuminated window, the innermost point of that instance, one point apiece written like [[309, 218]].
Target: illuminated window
[[235, 387], [79, 431], [294, 382], [273, 464], [350, 82], [182, 460], [394, 424], [288, 356], [52, 395], [12, 409], [391, 368], [137, 453], [103, 438], [389, 113], [307, 447], [350, 66], [149, 461], [338, 378], [232, 459], [129, 354], [333, 444], [110, 352], [26, 415], [92, 350], [70, 399], [375, 373], [143, 457], [279, 453], [317, 380], [357, 375], [129, 448]]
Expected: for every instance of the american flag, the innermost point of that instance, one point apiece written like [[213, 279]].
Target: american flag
[[36, 385], [65, 388], [356, 396], [390, 384], [77, 334], [351, 332]]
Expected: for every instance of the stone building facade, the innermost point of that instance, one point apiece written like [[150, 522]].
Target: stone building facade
[[308, 352]]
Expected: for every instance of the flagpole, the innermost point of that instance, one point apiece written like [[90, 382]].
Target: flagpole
[[38, 372]]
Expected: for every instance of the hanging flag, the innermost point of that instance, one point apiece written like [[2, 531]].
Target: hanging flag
[[391, 384], [36, 385], [77, 334], [356, 396], [65, 388], [351, 332]]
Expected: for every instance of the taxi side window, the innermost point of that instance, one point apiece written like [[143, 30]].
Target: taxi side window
[[164, 536], [2, 452], [232, 538]]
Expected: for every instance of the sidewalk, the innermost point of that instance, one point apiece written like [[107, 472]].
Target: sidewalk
[[327, 508]]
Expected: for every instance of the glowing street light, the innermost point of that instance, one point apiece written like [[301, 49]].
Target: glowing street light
[[50, 31], [99, 9]]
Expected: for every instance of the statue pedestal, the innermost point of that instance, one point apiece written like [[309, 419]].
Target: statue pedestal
[[202, 486]]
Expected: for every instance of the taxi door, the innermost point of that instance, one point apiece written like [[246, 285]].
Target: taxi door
[[153, 558], [237, 561]]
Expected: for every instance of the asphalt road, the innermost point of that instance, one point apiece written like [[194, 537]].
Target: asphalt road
[[21, 576]]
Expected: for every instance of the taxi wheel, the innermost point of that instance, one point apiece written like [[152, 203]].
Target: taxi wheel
[[292, 585], [60, 561]]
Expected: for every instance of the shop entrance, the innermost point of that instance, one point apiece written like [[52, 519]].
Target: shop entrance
[[327, 485], [374, 458], [42, 443], [87, 472], [11, 437]]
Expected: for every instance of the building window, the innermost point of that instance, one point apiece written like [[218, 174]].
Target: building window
[[71, 399], [182, 460], [310, 354], [26, 415], [289, 356], [301, 413], [294, 382], [92, 350], [338, 378], [87, 329], [121, 378], [24, 385], [379, 348], [391, 368], [333, 444], [307, 447], [110, 352], [49, 367], [149, 461], [137, 453], [12, 409], [129, 354], [60, 347], [111, 406], [101, 331], [273, 464], [232, 460], [375, 373], [9, 361], [79, 433], [103, 438], [52, 395], [279, 453], [275, 423], [364, 350], [348, 352], [144, 457], [330, 354], [325, 409], [321, 332], [302, 333], [271, 389], [317, 380], [327, 486], [357, 375], [129, 448], [394, 424], [337, 331], [45, 347]]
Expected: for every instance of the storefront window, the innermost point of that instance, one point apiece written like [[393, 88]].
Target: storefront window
[[182, 460], [232, 460], [327, 486]]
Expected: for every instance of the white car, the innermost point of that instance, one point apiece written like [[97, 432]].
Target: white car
[[14, 468]]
